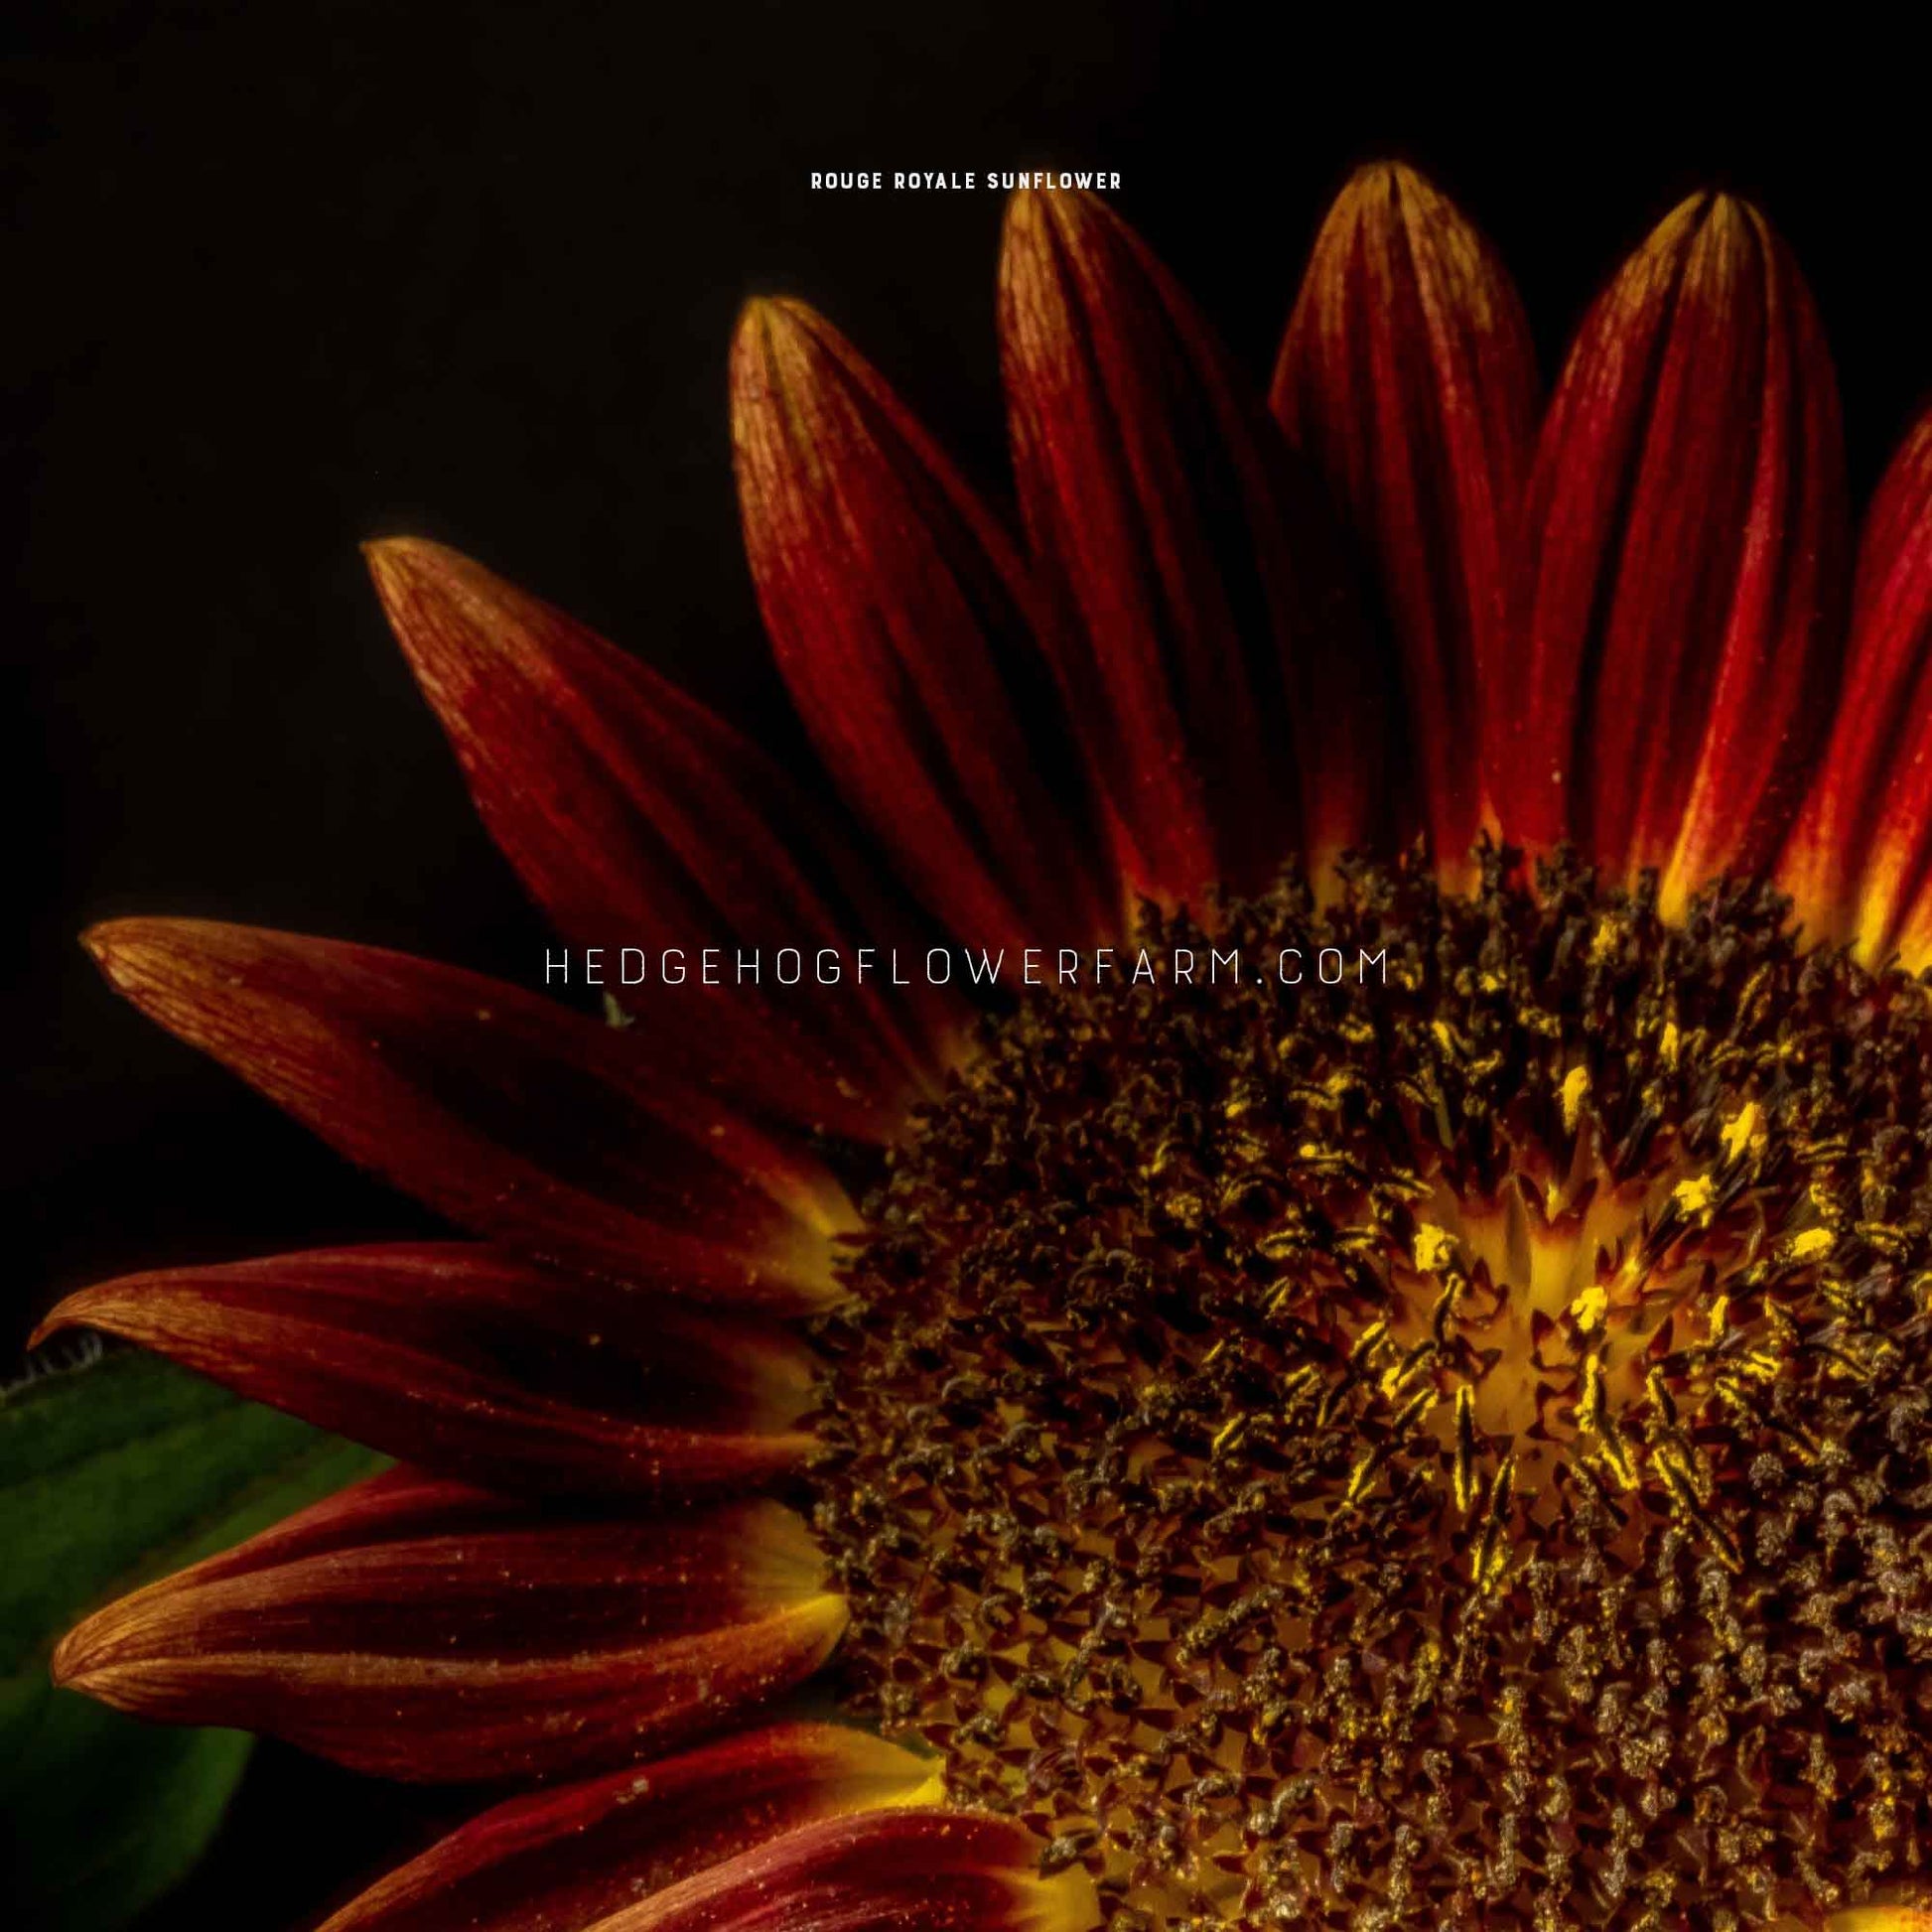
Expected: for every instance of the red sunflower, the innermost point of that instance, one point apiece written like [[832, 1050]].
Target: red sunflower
[[1450, 1451]]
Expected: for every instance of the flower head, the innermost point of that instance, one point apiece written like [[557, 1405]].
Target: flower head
[[1450, 1451]]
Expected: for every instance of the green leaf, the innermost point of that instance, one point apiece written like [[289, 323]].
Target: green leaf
[[111, 1475]]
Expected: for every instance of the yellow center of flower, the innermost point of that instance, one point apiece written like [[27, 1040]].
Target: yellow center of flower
[[1450, 1453]]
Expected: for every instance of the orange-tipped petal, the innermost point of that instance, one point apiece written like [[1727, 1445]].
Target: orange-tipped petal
[[422, 1630], [564, 1860], [636, 818], [514, 1116], [1860, 864], [1408, 378], [1673, 663], [910, 1871], [904, 624], [474, 1362], [1163, 504]]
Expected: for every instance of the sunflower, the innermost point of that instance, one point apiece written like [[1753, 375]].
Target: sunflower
[[1454, 1451]]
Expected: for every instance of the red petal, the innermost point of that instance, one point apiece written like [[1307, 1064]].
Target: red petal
[[636, 818], [423, 1630], [564, 1860], [903, 623], [503, 1110], [1408, 378], [888, 1871], [1677, 655], [1160, 501], [472, 1361], [1860, 864]]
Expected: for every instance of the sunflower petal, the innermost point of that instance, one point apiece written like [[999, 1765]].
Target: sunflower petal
[[1860, 864], [1164, 507], [1408, 378], [510, 1114], [906, 1871], [563, 1859], [417, 1629], [474, 1362], [636, 817], [1677, 652], [903, 621]]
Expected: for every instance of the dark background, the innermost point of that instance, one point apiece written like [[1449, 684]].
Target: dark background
[[284, 277]]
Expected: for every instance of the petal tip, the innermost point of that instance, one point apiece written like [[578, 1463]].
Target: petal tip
[[385, 550], [128, 951], [447, 612], [155, 960], [81, 1656], [1037, 215], [1392, 194], [774, 311], [1719, 206], [97, 941], [1714, 216], [1385, 178], [404, 569], [57, 1319], [393, 561], [60, 1669], [781, 353], [773, 341], [755, 319], [1024, 210]]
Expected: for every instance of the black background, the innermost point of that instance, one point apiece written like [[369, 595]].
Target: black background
[[285, 277]]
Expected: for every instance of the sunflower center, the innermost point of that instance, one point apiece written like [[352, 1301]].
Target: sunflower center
[[1451, 1451]]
